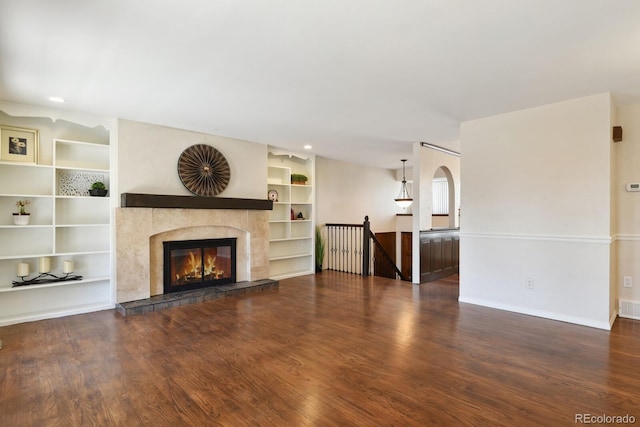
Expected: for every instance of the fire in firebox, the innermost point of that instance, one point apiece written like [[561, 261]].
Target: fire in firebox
[[194, 264]]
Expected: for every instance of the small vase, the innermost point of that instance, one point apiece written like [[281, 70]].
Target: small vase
[[21, 219]]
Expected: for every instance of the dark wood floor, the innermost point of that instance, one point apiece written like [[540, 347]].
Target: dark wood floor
[[324, 350]]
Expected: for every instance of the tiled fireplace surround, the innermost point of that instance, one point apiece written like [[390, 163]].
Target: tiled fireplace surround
[[141, 231]]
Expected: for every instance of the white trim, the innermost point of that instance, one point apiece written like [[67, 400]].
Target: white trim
[[56, 313], [613, 318], [627, 237], [539, 313], [23, 110], [278, 152], [540, 237]]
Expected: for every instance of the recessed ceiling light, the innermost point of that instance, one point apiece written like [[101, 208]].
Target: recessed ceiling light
[[56, 99], [308, 147]]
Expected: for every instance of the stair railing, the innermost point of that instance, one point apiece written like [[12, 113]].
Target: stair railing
[[349, 250], [345, 248]]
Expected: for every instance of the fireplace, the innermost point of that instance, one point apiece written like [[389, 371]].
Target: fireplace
[[194, 264]]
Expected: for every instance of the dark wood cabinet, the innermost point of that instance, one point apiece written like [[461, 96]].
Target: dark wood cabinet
[[439, 254]]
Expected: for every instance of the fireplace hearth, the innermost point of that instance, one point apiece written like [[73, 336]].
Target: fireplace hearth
[[195, 264]]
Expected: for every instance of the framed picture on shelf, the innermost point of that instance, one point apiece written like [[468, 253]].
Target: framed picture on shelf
[[18, 144]]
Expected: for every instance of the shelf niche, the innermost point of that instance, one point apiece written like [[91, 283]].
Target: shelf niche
[[291, 240], [62, 227]]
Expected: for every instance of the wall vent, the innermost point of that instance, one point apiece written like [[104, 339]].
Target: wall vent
[[629, 309]]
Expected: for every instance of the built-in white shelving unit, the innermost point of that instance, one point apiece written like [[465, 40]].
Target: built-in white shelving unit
[[66, 223], [291, 239]]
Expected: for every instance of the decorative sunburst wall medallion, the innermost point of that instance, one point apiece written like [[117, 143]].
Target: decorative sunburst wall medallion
[[203, 170]]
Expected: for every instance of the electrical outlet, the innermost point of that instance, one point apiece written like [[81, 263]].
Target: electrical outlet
[[628, 282], [529, 284]]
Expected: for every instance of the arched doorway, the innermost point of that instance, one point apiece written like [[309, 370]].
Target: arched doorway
[[443, 199]]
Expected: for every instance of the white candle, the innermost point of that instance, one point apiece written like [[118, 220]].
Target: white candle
[[45, 264], [23, 269], [68, 267]]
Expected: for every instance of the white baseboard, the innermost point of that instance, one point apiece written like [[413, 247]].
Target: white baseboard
[[32, 317], [613, 318], [539, 313]]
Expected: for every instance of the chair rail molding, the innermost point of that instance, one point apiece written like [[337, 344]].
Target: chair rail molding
[[541, 237]]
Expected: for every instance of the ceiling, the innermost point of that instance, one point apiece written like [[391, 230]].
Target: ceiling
[[359, 80]]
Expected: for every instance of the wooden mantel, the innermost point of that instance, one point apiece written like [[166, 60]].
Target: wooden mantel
[[137, 200]]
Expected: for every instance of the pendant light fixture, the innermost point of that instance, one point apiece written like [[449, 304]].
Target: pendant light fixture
[[404, 200]]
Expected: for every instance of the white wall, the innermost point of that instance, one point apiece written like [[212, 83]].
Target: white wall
[[537, 205], [627, 153], [148, 157], [346, 192]]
